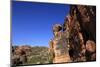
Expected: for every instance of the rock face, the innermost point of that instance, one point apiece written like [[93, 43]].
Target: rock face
[[59, 46], [75, 39], [90, 50], [86, 15]]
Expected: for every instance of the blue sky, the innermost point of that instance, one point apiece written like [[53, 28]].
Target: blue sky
[[32, 22]]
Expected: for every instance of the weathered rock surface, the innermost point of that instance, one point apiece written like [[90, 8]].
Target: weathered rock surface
[[59, 46], [86, 17], [78, 37], [90, 50]]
